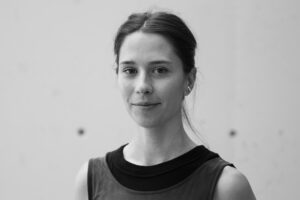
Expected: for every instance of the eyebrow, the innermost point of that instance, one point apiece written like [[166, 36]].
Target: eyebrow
[[160, 62], [130, 62]]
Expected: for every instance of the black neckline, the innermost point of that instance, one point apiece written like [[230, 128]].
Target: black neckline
[[147, 178], [158, 169]]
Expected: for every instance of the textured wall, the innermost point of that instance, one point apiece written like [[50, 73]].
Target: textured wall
[[59, 102], [267, 102]]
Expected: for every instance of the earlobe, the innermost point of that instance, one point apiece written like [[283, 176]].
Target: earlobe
[[187, 91], [190, 81]]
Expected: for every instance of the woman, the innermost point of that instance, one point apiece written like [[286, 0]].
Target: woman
[[156, 70]]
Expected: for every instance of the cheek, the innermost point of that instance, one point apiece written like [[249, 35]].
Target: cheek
[[125, 88], [173, 91]]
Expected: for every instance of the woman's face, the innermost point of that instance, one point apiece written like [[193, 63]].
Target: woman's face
[[151, 79]]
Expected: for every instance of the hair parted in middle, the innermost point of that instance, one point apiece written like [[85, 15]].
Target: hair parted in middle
[[168, 25], [173, 29]]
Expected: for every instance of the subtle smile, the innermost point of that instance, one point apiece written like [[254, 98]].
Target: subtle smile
[[145, 105]]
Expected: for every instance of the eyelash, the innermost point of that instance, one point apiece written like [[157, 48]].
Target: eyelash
[[128, 70], [163, 69], [156, 70]]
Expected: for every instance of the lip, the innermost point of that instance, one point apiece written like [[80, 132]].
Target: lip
[[145, 105]]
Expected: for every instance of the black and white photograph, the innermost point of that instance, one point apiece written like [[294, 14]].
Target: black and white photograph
[[149, 100]]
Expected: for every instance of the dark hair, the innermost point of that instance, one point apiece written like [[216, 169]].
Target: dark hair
[[166, 24], [172, 28]]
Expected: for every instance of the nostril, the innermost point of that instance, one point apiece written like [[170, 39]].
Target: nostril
[[144, 84], [145, 90]]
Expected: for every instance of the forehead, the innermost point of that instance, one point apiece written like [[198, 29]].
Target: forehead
[[140, 46]]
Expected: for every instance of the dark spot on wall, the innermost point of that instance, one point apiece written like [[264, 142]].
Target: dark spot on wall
[[232, 133], [280, 132], [81, 131]]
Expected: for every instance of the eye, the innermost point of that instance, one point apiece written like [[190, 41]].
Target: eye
[[129, 70], [160, 70]]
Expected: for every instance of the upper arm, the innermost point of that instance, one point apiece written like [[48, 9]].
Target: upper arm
[[81, 189], [233, 185]]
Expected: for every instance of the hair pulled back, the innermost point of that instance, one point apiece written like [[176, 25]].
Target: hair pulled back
[[168, 25], [172, 28]]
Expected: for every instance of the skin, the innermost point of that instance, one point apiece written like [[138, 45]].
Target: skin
[[153, 86], [151, 72]]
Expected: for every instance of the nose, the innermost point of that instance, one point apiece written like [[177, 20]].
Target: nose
[[144, 84]]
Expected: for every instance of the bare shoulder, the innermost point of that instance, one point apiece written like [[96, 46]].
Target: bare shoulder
[[81, 189], [233, 185]]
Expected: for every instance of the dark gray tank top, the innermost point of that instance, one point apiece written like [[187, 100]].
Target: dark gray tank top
[[200, 185]]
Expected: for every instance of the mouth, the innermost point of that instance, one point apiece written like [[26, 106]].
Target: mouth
[[145, 105]]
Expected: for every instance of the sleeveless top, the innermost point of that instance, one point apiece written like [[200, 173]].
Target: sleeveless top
[[199, 185]]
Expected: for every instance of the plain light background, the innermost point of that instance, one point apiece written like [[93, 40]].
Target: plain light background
[[57, 78]]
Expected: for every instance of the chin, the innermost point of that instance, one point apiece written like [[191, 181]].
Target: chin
[[148, 123]]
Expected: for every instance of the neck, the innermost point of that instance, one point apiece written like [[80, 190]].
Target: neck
[[158, 144]]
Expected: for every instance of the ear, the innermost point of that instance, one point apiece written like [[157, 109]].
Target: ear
[[116, 68], [190, 81]]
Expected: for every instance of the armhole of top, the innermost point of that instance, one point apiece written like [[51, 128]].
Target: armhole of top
[[217, 177], [89, 180]]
